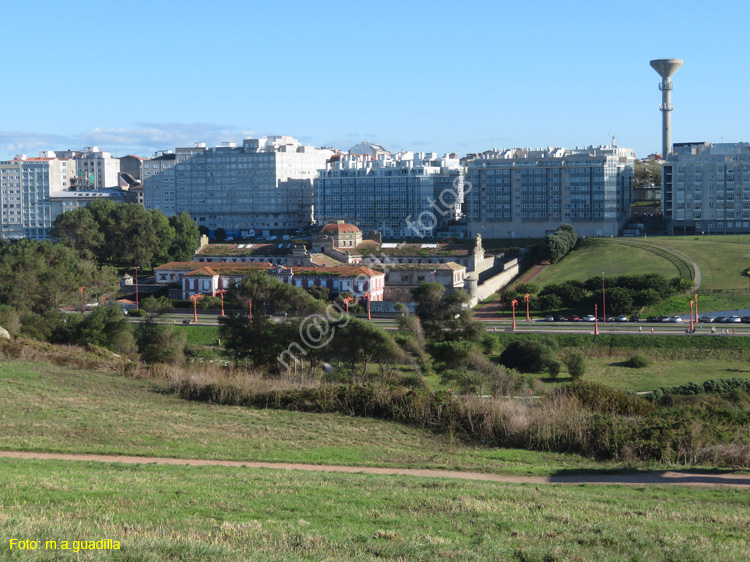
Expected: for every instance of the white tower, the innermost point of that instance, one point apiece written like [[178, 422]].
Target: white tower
[[666, 68]]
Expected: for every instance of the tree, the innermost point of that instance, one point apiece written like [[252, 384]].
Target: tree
[[443, 314], [575, 362], [10, 319], [319, 293], [462, 362], [220, 235], [186, 238], [79, 230], [106, 326], [529, 356], [41, 276], [159, 343], [157, 305]]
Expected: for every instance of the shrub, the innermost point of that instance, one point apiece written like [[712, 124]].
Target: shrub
[[531, 356], [575, 362], [638, 362], [553, 369], [10, 319]]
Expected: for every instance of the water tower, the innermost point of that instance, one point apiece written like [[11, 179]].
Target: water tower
[[666, 68]]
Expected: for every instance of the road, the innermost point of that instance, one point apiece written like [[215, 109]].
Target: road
[[644, 478]]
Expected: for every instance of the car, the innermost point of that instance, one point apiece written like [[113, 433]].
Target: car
[[549, 319], [665, 319], [575, 318], [746, 319], [734, 319], [589, 318], [622, 318], [561, 318], [708, 319], [720, 319], [676, 319]]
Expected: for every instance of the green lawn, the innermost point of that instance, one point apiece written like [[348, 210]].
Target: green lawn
[[720, 258], [612, 372], [48, 408], [234, 514], [593, 257]]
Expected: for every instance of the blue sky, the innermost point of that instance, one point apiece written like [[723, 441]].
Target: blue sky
[[431, 76]]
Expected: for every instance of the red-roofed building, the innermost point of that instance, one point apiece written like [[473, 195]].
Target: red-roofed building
[[206, 279]]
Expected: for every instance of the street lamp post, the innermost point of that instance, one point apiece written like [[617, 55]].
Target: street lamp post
[[221, 292], [136, 287], [250, 310], [513, 303], [368, 297], [347, 300], [526, 297], [83, 306], [604, 302], [195, 298], [596, 319], [692, 304]]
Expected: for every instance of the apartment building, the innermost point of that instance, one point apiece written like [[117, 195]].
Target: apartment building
[[519, 193], [25, 187], [706, 188], [96, 169], [403, 195], [262, 188]]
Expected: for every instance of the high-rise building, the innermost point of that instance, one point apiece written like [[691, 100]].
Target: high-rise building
[[402, 195], [528, 193], [706, 188], [25, 187], [264, 187], [96, 169]]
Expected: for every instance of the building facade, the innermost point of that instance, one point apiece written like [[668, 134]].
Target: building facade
[[95, 169], [404, 195], [706, 188], [519, 193], [262, 188], [25, 188]]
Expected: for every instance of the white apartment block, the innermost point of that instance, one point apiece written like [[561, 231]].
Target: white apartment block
[[520, 193], [706, 188], [25, 187], [402, 195], [96, 169], [263, 187]]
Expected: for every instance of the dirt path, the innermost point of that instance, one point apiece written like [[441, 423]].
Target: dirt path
[[631, 479]]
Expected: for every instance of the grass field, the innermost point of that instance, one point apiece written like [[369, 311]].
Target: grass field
[[215, 513], [612, 371], [48, 408], [720, 258], [592, 258]]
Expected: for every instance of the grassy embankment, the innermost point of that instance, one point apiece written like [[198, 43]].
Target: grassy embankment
[[216, 513], [57, 409]]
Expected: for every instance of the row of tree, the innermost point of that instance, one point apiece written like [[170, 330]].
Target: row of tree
[[557, 245], [625, 294], [126, 234]]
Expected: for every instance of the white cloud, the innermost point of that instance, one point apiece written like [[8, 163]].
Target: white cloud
[[142, 140]]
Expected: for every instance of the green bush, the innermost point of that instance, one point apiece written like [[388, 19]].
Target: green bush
[[638, 362], [575, 362], [532, 356]]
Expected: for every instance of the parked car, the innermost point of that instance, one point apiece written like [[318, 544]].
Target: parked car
[[665, 319], [589, 318], [574, 318], [734, 319], [746, 319], [621, 318], [676, 319], [549, 319], [720, 319], [561, 318], [708, 319]]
